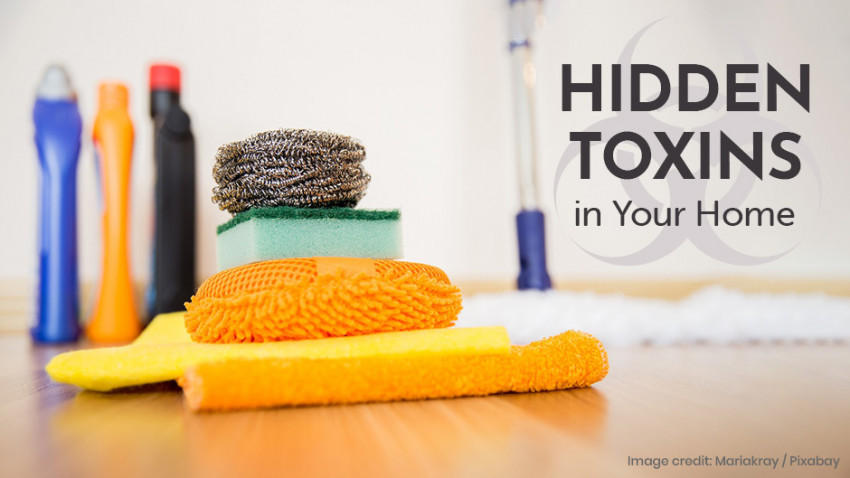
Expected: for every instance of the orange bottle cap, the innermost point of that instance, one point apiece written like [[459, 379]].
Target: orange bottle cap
[[113, 95]]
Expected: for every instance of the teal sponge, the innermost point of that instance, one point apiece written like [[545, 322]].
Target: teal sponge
[[262, 234]]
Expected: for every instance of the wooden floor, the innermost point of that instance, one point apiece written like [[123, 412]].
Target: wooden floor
[[657, 402]]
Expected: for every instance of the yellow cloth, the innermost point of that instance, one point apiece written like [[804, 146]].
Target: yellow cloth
[[165, 350], [571, 359], [165, 329]]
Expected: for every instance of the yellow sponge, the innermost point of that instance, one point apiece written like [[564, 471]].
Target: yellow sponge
[[164, 351]]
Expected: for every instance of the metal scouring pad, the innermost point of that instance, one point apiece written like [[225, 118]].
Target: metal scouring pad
[[290, 167]]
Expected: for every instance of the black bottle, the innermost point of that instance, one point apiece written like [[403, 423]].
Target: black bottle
[[173, 274]]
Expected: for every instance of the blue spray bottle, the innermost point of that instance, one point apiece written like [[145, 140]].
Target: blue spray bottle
[[58, 127]]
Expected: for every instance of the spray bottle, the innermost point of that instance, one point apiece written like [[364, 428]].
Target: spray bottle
[[57, 136], [173, 274], [115, 317]]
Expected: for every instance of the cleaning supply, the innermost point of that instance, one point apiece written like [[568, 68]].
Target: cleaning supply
[[312, 298], [173, 271], [285, 232], [167, 328], [58, 127], [344, 329], [530, 221], [115, 317], [290, 167], [713, 315], [164, 351], [572, 359]]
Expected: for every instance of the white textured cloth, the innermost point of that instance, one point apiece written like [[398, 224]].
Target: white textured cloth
[[713, 315]]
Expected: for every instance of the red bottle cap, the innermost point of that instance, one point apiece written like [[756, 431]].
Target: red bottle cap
[[165, 77]]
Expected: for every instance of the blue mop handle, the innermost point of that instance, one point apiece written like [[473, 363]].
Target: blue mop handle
[[532, 251], [529, 222], [58, 127]]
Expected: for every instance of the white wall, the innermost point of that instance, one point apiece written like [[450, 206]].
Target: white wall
[[425, 86]]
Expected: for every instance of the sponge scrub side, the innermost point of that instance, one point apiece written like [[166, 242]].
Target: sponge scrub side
[[286, 232]]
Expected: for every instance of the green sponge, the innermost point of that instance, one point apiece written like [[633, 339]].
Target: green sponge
[[263, 234]]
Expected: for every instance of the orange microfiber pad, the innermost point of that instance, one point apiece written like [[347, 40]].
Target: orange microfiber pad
[[572, 359], [320, 297]]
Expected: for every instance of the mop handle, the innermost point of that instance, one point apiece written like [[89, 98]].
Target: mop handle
[[530, 220]]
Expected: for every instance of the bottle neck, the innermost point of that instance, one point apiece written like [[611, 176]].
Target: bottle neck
[[161, 100], [113, 96]]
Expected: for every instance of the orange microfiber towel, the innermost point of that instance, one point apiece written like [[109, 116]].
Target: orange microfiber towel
[[572, 359], [313, 298]]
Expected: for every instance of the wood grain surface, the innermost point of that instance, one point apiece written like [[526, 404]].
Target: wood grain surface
[[657, 402]]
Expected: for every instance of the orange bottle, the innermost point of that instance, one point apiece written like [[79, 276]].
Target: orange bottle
[[115, 317]]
